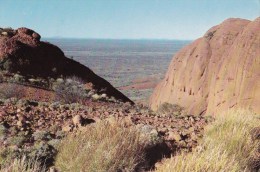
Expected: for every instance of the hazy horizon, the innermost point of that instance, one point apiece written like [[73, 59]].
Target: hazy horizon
[[127, 39], [119, 19]]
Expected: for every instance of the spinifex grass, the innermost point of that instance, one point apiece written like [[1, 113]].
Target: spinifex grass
[[226, 146]]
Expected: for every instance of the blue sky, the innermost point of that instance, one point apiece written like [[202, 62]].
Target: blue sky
[[123, 19]]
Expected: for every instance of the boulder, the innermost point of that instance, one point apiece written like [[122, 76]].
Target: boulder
[[77, 120]]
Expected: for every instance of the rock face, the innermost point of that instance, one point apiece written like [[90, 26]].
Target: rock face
[[21, 51], [217, 72]]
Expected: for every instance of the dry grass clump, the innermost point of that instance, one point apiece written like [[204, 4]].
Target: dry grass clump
[[102, 147], [227, 146], [207, 161], [23, 165]]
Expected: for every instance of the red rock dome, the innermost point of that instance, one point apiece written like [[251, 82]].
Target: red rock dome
[[217, 72]]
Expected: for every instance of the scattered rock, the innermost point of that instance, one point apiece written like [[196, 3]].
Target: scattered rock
[[174, 136], [49, 122], [67, 128], [77, 120], [19, 123]]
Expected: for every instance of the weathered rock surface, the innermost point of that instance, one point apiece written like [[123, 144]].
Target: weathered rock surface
[[217, 72], [21, 51]]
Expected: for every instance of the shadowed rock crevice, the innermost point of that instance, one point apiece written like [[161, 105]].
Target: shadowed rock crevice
[[156, 154]]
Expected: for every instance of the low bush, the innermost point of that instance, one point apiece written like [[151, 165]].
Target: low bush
[[167, 108], [7, 29], [3, 131], [103, 147], [70, 90], [227, 146], [11, 90], [42, 153]]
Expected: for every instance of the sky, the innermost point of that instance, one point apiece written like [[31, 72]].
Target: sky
[[123, 19]]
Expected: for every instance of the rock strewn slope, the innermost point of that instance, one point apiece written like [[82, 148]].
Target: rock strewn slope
[[217, 72], [19, 116], [21, 51]]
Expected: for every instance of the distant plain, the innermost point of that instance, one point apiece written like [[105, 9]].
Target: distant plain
[[132, 66]]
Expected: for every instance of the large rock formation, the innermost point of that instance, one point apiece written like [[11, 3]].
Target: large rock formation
[[217, 72], [21, 51]]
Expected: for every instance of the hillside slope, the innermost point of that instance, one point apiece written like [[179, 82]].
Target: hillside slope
[[21, 51]]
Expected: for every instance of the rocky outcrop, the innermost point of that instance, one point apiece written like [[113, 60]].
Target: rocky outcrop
[[21, 51], [217, 72]]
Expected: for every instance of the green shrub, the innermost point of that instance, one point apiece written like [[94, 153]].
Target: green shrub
[[44, 153], [18, 78], [41, 135], [7, 65], [17, 140]]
